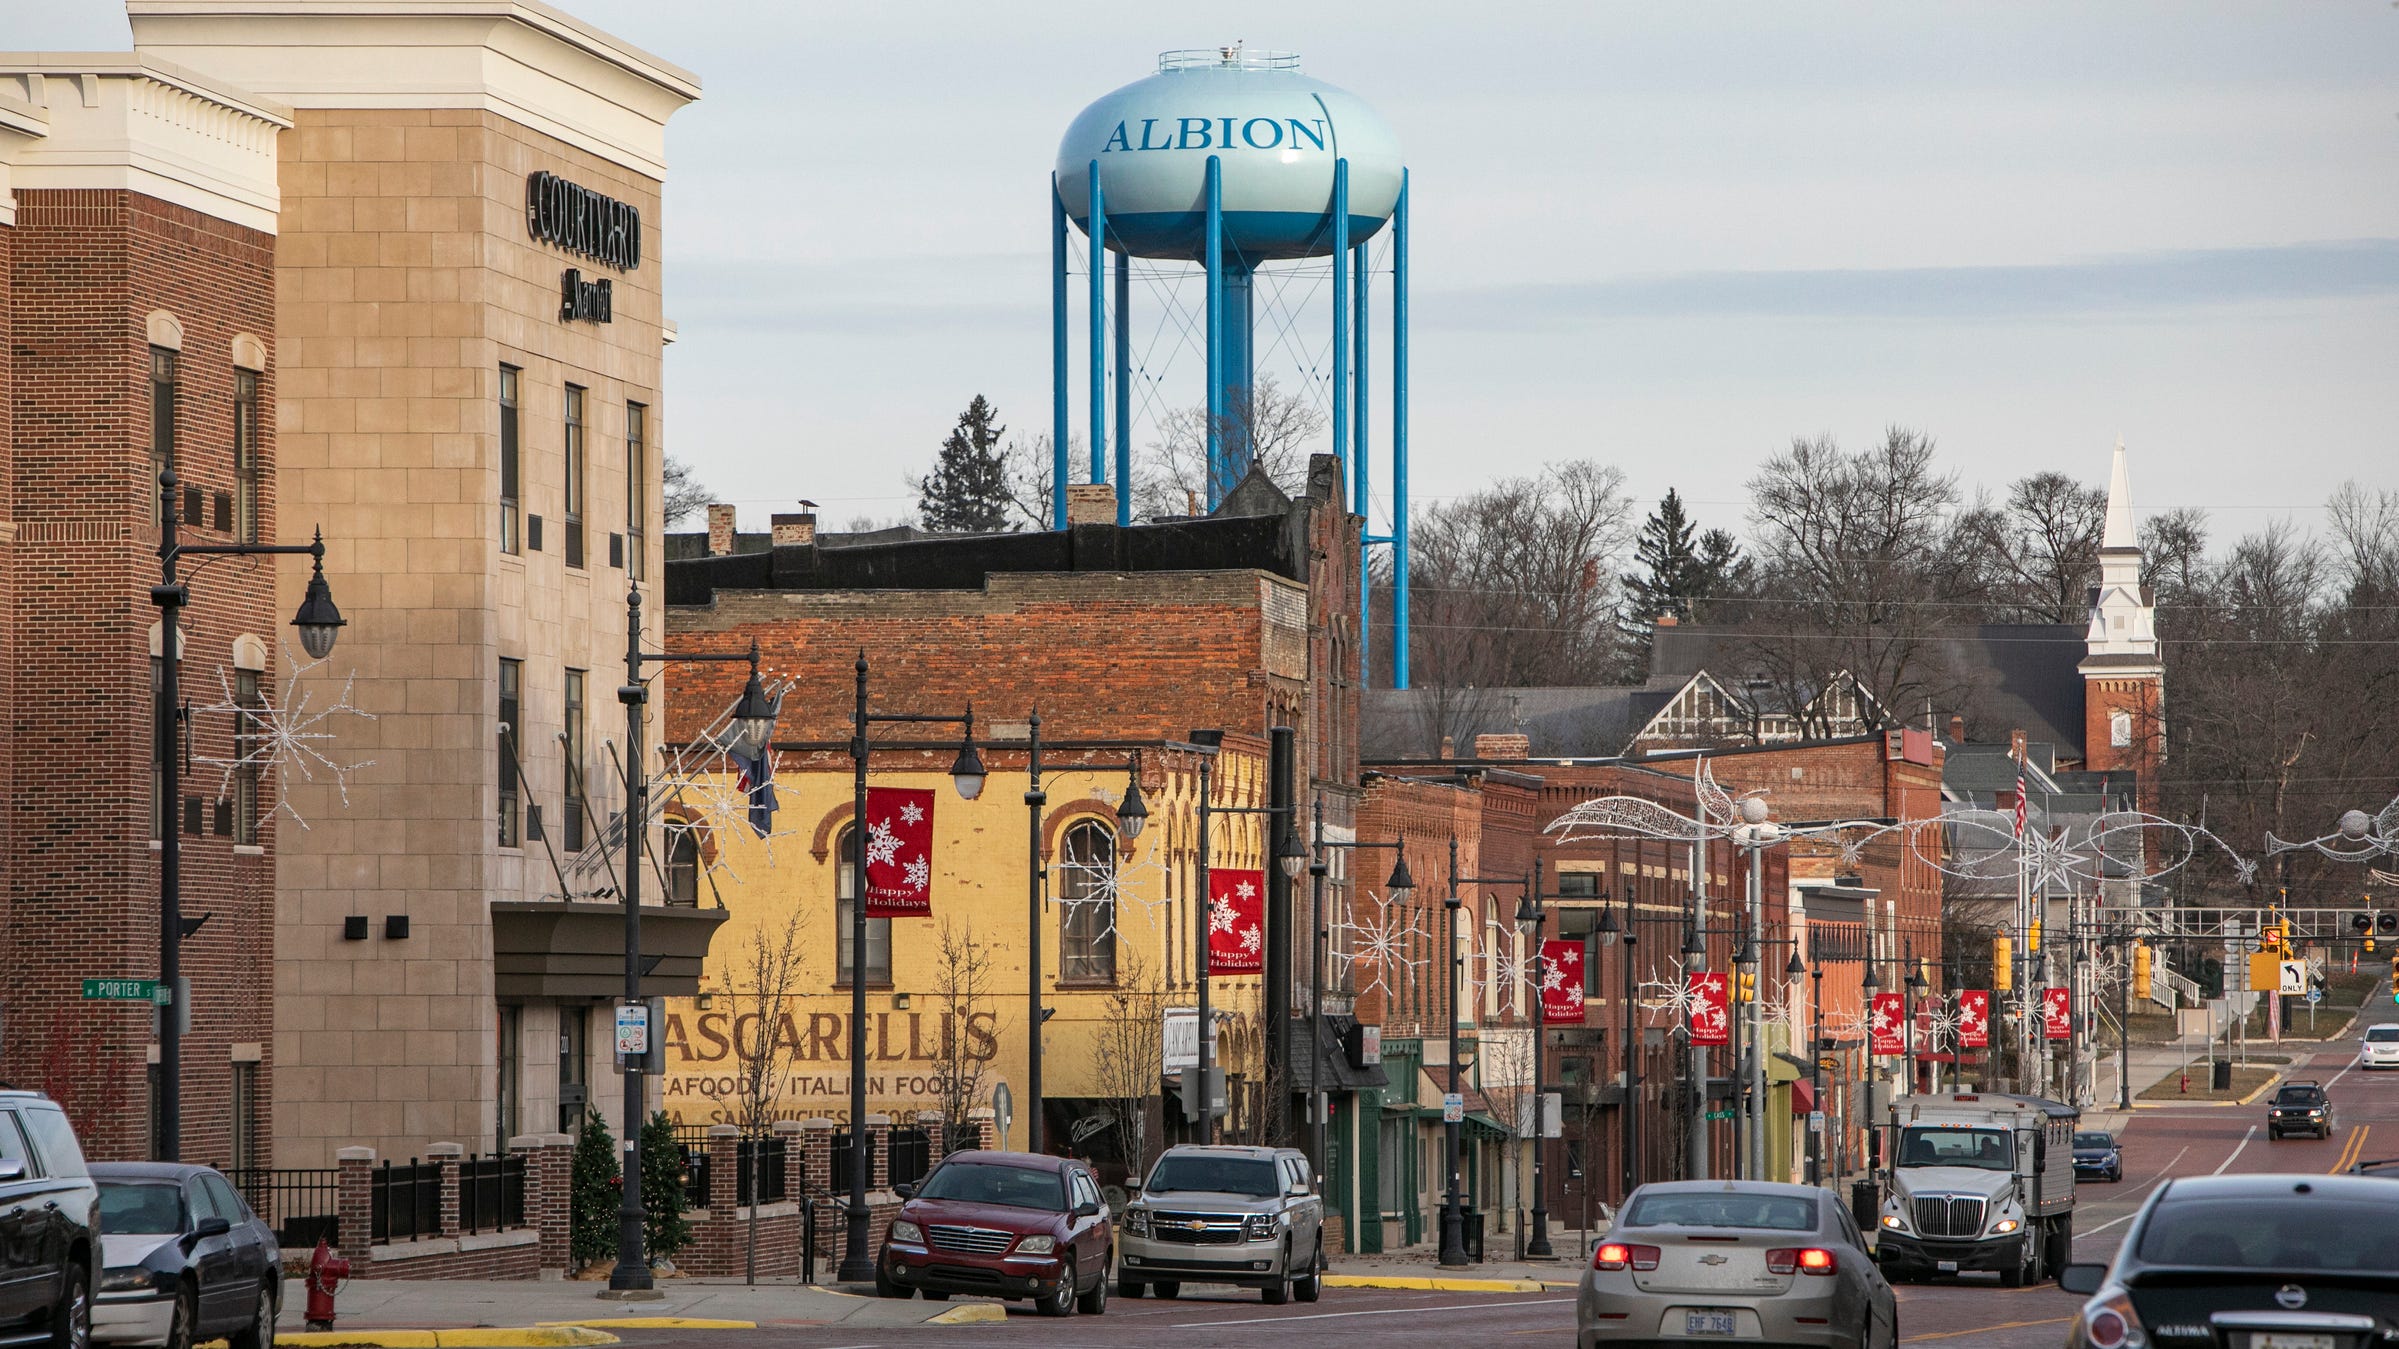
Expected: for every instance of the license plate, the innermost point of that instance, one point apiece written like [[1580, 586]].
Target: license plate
[[2272, 1340], [1946, 1266], [1721, 1323]]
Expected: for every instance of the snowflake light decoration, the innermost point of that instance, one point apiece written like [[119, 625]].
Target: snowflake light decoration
[[290, 738], [1941, 1022], [1379, 945], [2358, 837]]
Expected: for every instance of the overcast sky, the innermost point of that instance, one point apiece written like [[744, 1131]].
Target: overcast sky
[[1667, 236]]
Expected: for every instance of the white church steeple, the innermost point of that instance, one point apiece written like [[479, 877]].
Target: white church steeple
[[2123, 676]]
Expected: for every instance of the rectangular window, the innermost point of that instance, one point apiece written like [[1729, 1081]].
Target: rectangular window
[[247, 729], [511, 1061], [571, 827], [574, 1056], [162, 428], [637, 487], [511, 470], [245, 1117], [878, 930], [574, 476], [245, 456], [1582, 925], [512, 730]]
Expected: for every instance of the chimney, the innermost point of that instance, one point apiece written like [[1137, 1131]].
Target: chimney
[[720, 529], [1957, 730], [794, 530], [1503, 747], [1667, 620], [1090, 503], [1449, 747]]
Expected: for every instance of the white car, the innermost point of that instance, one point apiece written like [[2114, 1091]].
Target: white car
[[2380, 1049]]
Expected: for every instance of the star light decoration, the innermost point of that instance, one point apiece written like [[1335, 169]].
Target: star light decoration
[[1682, 999], [1108, 889], [1941, 1021], [1379, 945], [1498, 971], [289, 738]]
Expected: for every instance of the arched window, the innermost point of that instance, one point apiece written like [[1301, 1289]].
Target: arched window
[[2119, 729], [683, 867], [1087, 904], [878, 930]]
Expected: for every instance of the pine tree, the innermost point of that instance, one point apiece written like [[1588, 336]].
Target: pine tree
[[967, 491], [663, 1196], [1670, 563], [593, 1196]]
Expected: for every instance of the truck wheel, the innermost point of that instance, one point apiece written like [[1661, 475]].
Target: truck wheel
[[2013, 1276]]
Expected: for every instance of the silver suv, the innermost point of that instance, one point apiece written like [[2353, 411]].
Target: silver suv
[[1249, 1217]]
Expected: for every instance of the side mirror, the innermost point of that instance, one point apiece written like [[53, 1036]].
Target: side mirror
[[1132, 1185], [904, 1191], [1087, 1209], [1300, 1192], [2084, 1279], [11, 1168], [212, 1227]]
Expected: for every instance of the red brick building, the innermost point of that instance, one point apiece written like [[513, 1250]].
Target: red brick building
[[138, 210]]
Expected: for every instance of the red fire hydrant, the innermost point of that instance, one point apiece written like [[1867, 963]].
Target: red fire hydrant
[[325, 1274]]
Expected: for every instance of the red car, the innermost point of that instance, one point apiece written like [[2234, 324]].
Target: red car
[[1003, 1224]]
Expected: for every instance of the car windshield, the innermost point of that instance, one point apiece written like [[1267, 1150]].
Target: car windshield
[[1250, 1177], [1983, 1148], [1774, 1213], [984, 1183], [2094, 1140], [2383, 1035], [2296, 1096], [2280, 1233], [152, 1208]]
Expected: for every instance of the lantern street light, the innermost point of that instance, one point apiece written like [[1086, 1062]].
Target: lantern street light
[[1629, 1120], [319, 624], [1453, 1212], [1531, 917], [1400, 886]]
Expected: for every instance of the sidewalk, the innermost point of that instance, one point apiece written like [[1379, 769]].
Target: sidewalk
[[1419, 1267], [371, 1305]]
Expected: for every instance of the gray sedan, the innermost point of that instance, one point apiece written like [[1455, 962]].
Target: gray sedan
[[1735, 1260]]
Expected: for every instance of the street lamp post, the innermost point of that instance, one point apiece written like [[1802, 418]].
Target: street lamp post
[[1699, 1163], [319, 623], [1531, 919], [1629, 1122], [1869, 985], [966, 774], [1914, 986], [753, 733], [1288, 857], [1453, 1213], [1815, 1071], [1749, 1132], [1401, 885]]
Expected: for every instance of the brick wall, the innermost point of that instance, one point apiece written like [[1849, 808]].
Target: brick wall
[[86, 268]]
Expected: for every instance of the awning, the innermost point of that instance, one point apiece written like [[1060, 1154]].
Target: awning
[[1335, 1073], [552, 950], [1481, 1125], [1803, 1098]]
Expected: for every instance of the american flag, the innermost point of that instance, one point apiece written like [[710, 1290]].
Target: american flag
[[2019, 798]]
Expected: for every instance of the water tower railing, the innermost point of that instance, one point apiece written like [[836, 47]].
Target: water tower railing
[[1233, 58]]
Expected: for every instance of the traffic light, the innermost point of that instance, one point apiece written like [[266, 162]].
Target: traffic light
[[2003, 970], [1745, 987], [2286, 935], [2032, 940], [2395, 978], [2362, 924], [2140, 969], [2387, 924], [2269, 935]]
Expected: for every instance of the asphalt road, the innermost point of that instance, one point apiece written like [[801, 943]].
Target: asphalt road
[[1967, 1313]]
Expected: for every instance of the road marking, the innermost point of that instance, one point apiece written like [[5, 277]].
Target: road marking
[[1980, 1330], [2236, 1151], [1378, 1311], [2353, 1149]]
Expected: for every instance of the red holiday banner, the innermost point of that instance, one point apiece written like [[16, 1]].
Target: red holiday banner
[[1236, 922], [2057, 1013], [1561, 983], [1709, 1023], [1887, 1028], [899, 852], [1974, 1018]]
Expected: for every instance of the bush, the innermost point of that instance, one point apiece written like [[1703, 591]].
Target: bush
[[594, 1195], [663, 1197]]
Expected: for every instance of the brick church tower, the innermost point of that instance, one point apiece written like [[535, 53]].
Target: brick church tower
[[2123, 673]]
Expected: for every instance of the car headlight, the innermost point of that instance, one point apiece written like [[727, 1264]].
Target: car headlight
[[2317, 1111], [1035, 1245], [1258, 1226], [1891, 1220], [904, 1230], [1137, 1221], [133, 1279], [2004, 1225]]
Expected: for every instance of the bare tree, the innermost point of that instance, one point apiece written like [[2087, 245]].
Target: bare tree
[[686, 495], [2039, 549], [1128, 1056], [767, 972], [1273, 428], [962, 982], [2174, 555]]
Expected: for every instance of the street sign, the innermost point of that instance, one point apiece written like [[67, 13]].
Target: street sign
[[2315, 995], [632, 1028], [1453, 1108], [2293, 975], [1003, 1109], [1720, 1114], [124, 990], [1815, 1121]]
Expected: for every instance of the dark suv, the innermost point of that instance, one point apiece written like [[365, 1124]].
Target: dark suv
[[49, 1225], [2299, 1108]]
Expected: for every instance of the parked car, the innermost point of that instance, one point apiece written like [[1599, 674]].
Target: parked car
[[49, 1226], [2299, 1107], [1744, 1260], [2097, 1155], [1009, 1225], [182, 1259], [2380, 1048], [1246, 1216], [2256, 1260]]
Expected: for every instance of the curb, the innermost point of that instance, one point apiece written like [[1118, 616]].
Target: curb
[[969, 1314], [1418, 1284], [479, 1337], [655, 1323]]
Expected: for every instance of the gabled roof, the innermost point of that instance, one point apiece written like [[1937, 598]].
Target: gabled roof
[[1568, 722]]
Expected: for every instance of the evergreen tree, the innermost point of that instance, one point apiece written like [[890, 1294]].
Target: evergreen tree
[[967, 491], [593, 1196], [1668, 554], [663, 1196]]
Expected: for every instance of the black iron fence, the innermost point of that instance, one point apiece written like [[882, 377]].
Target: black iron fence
[[761, 1168], [491, 1193], [911, 1155], [404, 1202], [843, 1153], [301, 1204]]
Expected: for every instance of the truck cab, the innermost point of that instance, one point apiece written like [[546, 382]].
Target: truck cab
[[1977, 1181]]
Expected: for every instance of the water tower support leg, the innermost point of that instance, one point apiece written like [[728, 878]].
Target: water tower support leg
[[1124, 389], [1216, 372], [1058, 465], [1341, 308], [1399, 437], [1360, 275], [1099, 328]]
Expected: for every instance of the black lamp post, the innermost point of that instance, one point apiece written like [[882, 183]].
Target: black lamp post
[[966, 774], [319, 623], [1453, 1213], [1817, 1113], [1695, 955], [1914, 986], [1131, 817], [1869, 985], [1289, 857], [1531, 919], [1630, 1121], [1746, 1131], [1400, 886], [753, 733]]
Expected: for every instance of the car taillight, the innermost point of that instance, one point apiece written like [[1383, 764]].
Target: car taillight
[[1619, 1255], [1801, 1260], [2110, 1323]]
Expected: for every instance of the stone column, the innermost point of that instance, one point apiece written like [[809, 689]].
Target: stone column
[[354, 1206], [983, 1128], [878, 1146], [549, 1201], [445, 1156], [724, 1189], [936, 1134], [816, 1173]]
